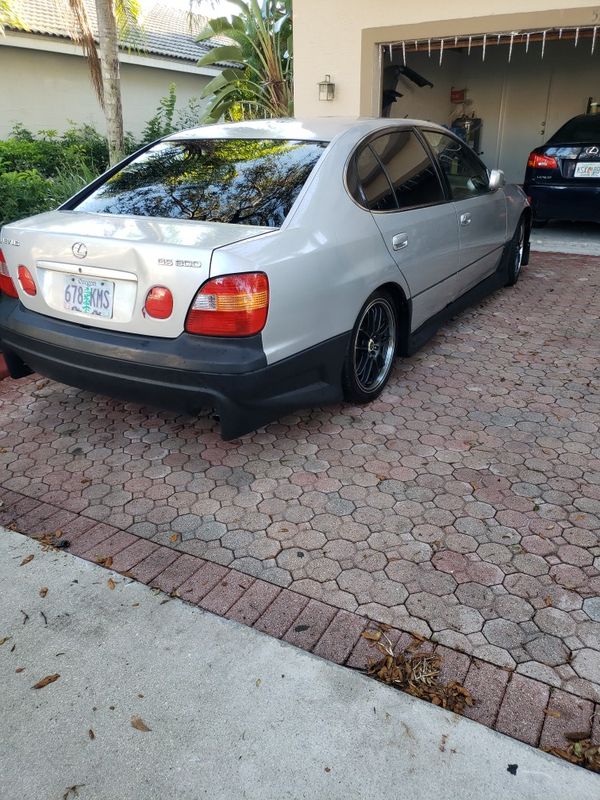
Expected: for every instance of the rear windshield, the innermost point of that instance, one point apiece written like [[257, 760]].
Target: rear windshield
[[579, 129], [243, 181]]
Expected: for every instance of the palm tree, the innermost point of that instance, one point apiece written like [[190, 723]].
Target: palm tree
[[114, 17]]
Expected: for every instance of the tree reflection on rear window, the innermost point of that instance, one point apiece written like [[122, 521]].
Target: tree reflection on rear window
[[240, 181]]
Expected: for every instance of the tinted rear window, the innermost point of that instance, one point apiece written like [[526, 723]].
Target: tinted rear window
[[579, 129], [241, 181]]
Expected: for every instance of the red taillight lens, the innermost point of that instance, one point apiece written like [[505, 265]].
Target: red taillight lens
[[6, 284], [26, 280], [539, 161], [159, 302], [234, 305]]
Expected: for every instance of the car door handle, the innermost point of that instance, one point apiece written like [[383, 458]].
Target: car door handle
[[399, 241], [465, 219]]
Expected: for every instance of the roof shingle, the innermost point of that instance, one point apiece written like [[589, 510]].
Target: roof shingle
[[165, 31]]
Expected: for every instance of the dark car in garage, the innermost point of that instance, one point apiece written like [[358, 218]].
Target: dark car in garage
[[562, 179]]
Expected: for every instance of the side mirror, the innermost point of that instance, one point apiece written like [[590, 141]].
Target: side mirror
[[497, 179]]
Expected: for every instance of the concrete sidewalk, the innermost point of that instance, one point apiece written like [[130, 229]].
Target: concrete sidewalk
[[233, 713]]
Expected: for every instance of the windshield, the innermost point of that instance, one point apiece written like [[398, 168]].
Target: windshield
[[243, 181], [579, 129]]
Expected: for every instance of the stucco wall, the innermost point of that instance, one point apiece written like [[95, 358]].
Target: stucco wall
[[339, 37], [46, 90]]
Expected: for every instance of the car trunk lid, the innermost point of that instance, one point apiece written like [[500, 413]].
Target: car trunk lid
[[97, 269], [575, 163]]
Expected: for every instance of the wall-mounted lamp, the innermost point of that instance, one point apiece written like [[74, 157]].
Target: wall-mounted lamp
[[326, 89]]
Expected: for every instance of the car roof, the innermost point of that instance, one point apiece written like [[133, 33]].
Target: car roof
[[594, 117], [320, 129]]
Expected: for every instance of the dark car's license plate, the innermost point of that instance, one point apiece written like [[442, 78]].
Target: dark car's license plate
[[587, 169]]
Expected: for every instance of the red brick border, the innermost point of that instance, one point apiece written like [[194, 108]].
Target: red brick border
[[518, 706]]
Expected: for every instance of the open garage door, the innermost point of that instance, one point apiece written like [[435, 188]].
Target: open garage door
[[505, 93]]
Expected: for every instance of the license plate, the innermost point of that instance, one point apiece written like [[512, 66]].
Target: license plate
[[89, 296], [587, 169]]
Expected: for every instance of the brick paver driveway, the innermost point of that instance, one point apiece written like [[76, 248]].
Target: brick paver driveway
[[464, 504]]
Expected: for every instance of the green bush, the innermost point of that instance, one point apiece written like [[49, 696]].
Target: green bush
[[39, 172], [161, 124], [22, 194], [19, 155]]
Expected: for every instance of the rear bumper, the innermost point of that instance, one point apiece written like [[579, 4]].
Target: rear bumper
[[185, 374], [581, 203]]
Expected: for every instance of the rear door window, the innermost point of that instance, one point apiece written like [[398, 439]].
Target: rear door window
[[394, 172], [465, 173], [374, 184], [240, 181], [410, 169]]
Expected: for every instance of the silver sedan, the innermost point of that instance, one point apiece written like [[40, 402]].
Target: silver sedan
[[258, 267]]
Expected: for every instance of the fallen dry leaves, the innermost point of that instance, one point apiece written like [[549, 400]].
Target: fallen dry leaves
[[579, 751], [43, 591], [139, 724], [51, 541], [104, 561], [414, 672], [27, 559], [45, 681], [550, 712], [111, 584]]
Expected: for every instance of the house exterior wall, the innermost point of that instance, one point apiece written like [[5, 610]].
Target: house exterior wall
[[341, 37], [48, 90]]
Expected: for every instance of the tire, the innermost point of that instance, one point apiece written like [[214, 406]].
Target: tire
[[515, 254], [371, 350]]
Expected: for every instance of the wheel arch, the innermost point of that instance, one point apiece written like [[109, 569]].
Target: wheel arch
[[403, 308], [527, 215]]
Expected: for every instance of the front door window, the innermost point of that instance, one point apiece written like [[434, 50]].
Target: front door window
[[465, 173]]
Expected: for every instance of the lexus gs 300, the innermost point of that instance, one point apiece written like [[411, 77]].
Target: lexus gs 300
[[258, 267]]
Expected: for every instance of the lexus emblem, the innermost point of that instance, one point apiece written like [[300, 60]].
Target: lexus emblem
[[592, 151], [79, 250]]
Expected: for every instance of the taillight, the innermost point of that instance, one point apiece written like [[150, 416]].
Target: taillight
[[539, 161], [6, 283], [26, 280], [159, 302], [233, 305]]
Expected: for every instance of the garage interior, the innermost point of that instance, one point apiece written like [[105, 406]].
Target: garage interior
[[504, 93]]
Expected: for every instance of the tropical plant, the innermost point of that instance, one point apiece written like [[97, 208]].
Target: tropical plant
[[260, 44], [161, 124]]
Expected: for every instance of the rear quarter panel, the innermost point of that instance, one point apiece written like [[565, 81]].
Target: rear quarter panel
[[516, 203]]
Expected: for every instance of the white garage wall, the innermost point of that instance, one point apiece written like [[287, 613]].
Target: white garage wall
[[521, 103], [45, 90]]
